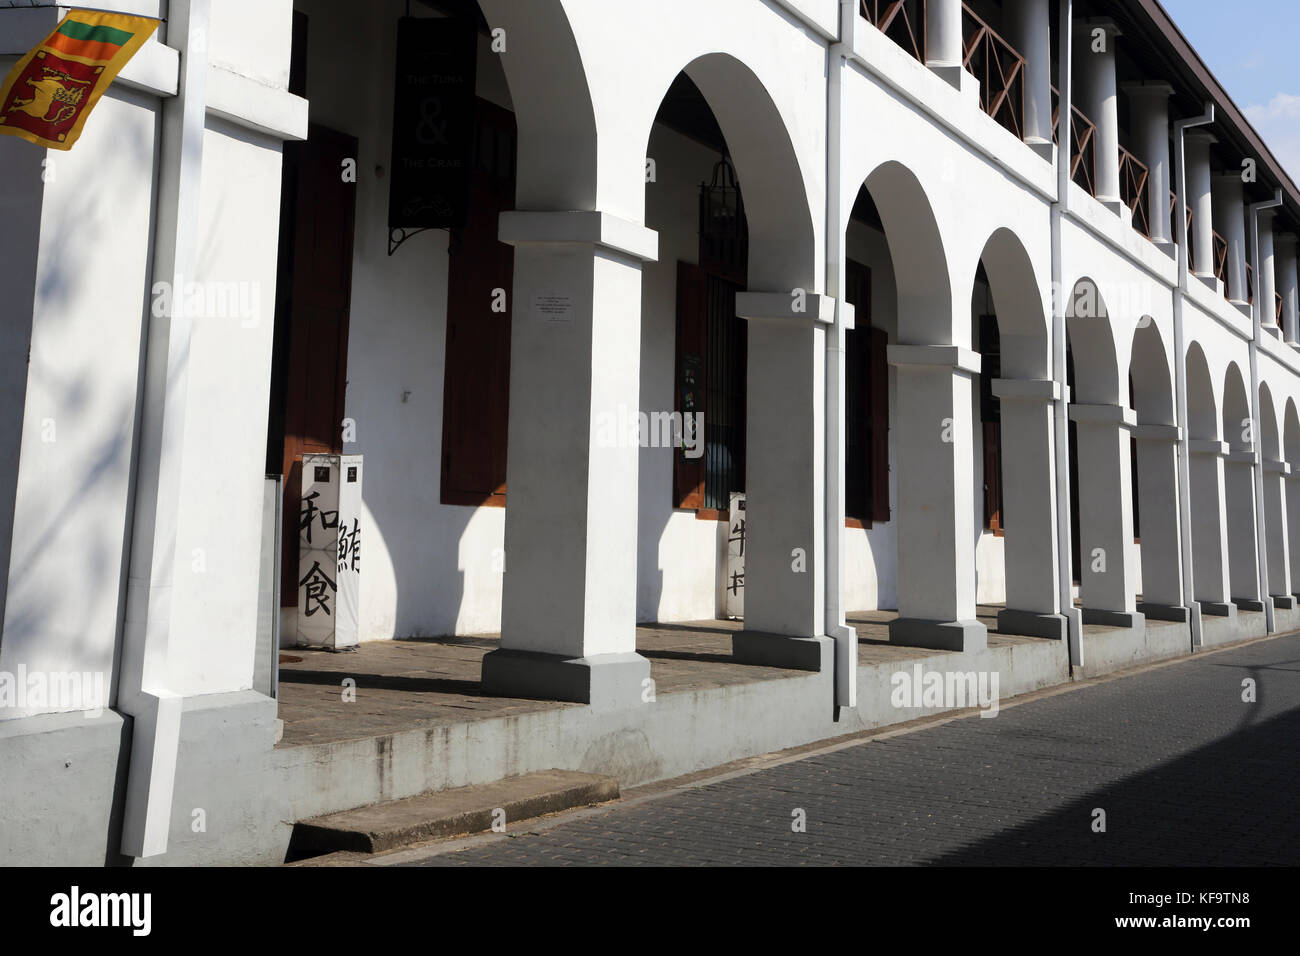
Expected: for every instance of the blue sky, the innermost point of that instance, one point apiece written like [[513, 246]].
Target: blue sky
[[1251, 46]]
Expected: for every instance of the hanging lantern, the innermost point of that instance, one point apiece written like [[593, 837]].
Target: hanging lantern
[[724, 234]]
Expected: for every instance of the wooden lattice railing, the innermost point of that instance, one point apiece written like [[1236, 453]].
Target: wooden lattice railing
[[1083, 150], [1000, 71], [903, 21], [1133, 181]]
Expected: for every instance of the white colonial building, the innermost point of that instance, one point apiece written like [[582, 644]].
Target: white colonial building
[[958, 371]]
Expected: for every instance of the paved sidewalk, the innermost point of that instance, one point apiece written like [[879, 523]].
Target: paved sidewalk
[[1186, 773]]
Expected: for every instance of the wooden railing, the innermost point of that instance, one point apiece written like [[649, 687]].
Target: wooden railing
[[1133, 180], [903, 21], [1221, 261], [1000, 71], [1083, 150]]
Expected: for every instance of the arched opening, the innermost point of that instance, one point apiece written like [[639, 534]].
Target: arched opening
[[910, 422], [725, 193], [1155, 473], [1291, 452], [1241, 433], [1101, 464], [1273, 480], [1206, 487], [1016, 533]]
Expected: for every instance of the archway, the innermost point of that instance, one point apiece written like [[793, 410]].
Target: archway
[[1277, 555], [1206, 489], [1240, 433], [1101, 478], [1017, 460], [730, 309], [1155, 445]]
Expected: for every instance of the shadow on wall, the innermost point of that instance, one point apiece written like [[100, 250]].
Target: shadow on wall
[[73, 620]]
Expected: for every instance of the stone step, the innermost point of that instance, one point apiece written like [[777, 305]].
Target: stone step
[[438, 815]]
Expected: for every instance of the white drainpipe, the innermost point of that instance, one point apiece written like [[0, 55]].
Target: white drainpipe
[[1073, 615], [1180, 375], [1257, 430], [142, 691], [845, 637]]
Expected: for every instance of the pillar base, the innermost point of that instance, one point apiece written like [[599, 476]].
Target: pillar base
[[780, 650], [1283, 602], [958, 77], [939, 635], [604, 681], [1165, 612], [1248, 604], [1033, 624], [1043, 147], [1219, 608], [1093, 615]]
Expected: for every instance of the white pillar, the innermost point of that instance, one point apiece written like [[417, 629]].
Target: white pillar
[[1149, 111], [1201, 202], [1108, 571], [1096, 97], [1230, 222], [1029, 31], [1276, 532], [1292, 491], [1284, 245], [944, 46], [568, 616], [1266, 281], [1162, 566], [936, 497], [1243, 559], [1029, 502], [785, 455], [1209, 527]]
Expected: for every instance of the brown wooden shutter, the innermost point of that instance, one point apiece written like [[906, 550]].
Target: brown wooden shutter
[[692, 343], [476, 371], [993, 476], [879, 425]]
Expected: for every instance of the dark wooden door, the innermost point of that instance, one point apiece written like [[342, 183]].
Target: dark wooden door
[[320, 281], [476, 379]]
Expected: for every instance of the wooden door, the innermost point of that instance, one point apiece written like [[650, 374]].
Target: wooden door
[[319, 275]]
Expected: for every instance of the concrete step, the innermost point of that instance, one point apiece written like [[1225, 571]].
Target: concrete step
[[438, 815]]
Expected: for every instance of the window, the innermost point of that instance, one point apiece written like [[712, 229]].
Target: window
[[476, 376], [991, 416], [711, 371], [866, 379]]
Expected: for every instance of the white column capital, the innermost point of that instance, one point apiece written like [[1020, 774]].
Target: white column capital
[[786, 307], [956, 357], [1118, 415], [1158, 433], [529, 227], [1208, 446], [1027, 389]]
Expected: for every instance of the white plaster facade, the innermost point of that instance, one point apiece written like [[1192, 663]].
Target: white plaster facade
[[132, 446]]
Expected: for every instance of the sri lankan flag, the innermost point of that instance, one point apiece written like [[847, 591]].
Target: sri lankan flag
[[47, 96]]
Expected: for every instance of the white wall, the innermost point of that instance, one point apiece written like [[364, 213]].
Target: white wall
[[65, 587]]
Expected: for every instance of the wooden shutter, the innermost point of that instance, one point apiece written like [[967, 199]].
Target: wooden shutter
[[857, 397], [879, 478], [993, 477], [476, 372], [692, 344]]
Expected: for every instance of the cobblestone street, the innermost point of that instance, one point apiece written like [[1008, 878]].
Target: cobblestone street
[[1186, 772]]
